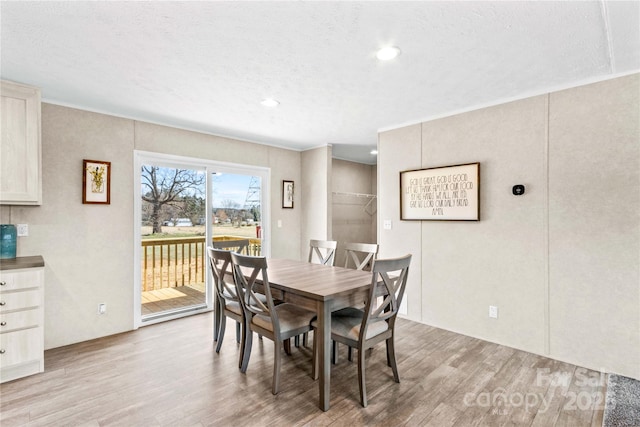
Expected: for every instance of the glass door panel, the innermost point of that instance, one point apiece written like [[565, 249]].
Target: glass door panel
[[237, 208], [172, 230]]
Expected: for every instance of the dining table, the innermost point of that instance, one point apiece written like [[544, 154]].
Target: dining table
[[323, 289]]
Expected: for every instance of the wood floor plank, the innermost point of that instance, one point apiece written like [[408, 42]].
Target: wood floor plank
[[168, 374]]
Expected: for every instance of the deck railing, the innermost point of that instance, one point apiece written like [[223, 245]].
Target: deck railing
[[181, 261]]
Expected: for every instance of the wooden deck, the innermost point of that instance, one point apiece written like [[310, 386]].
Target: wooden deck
[[172, 298]]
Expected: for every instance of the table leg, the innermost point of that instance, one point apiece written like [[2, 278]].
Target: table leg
[[324, 349]]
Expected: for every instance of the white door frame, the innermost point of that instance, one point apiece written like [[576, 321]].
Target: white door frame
[[145, 157]]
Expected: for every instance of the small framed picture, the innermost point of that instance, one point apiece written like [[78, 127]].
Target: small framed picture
[[96, 182], [287, 194]]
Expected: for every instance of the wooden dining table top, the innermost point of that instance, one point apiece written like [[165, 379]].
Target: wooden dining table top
[[315, 281]]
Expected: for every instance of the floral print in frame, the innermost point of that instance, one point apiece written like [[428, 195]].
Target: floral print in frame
[[96, 182]]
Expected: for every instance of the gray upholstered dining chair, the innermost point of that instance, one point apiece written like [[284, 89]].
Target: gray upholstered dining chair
[[363, 329], [227, 301], [359, 256], [322, 251], [276, 322], [240, 246]]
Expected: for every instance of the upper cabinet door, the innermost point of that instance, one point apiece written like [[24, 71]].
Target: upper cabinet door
[[20, 150]]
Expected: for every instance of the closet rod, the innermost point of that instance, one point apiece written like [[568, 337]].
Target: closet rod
[[338, 193]]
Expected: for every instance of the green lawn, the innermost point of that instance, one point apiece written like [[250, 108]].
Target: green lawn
[[248, 231]]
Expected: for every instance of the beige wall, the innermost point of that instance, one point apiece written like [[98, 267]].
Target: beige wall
[[400, 150], [351, 217], [88, 249], [594, 225], [562, 261], [314, 194]]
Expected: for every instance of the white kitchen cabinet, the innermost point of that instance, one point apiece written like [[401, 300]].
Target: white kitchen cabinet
[[21, 317], [20, 147]]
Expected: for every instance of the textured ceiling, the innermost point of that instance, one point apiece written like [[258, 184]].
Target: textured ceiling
[[207, 65]]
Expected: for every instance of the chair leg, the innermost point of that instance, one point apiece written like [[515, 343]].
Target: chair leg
[[243, 340], [391, 356], [277, 362], [238, 332], [223, 324], [296, 341], [304, 339], [246, 354], [287, 346], [216, 321], [361, 379], [350, 353], [334, 352]]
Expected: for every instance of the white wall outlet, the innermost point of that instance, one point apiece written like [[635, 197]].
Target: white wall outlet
[[22, 230], [493, 311], [387, 224], [102, 308]]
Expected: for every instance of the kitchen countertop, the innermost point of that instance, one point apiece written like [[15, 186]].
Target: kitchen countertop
[[21, 262]]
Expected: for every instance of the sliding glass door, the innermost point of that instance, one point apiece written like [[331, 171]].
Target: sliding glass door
[[182, 206]]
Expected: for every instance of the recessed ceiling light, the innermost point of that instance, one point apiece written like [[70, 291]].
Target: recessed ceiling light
[[374, 152], [269, 102], [387, 53]]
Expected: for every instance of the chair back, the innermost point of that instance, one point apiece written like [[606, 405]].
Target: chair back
[[240, 246], [388, 281], [250, 274], [360, 255], [322, 251], [220, 262]]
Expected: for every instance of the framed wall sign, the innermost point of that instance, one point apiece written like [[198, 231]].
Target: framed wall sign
[[287, 194], [96, 182], [448, 193]]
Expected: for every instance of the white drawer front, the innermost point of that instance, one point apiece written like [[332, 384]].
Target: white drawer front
[[20, 346], [19, 320], [19, 300], [20, 279]]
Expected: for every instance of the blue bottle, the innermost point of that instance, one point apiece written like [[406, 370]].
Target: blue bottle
[[8, 237]]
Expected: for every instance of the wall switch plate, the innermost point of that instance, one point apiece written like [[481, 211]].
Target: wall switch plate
[[493, 311], [279, 223], [22, 230], [102, 308]]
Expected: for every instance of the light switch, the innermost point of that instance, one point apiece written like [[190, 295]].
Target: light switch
[[22, 230], [387, 224], [279, 223]]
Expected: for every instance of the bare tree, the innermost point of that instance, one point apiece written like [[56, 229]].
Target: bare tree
[[230, 204], [221, 214], [231, 208], [165, 186]]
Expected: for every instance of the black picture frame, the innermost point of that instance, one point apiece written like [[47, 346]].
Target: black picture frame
[[287, 194]]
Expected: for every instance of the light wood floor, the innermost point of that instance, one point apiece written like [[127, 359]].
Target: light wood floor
[[168, 374]]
